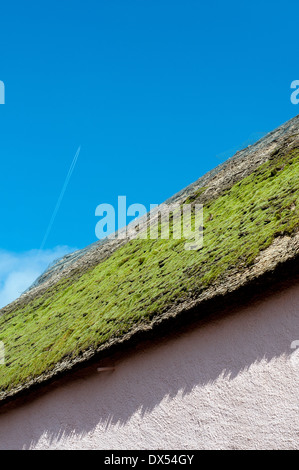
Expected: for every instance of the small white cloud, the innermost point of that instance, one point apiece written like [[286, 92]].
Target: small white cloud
[[18, 271]]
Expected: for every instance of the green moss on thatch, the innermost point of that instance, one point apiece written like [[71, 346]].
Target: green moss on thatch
[[145, 277]]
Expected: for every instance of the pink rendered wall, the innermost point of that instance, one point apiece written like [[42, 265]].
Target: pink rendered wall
[[231, 383]]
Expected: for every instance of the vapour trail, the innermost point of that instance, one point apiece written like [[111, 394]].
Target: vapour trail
[[72, 167]]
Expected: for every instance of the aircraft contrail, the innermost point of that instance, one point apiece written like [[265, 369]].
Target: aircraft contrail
[[72, 167]]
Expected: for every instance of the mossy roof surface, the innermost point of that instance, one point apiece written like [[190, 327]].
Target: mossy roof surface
[[144, 278]]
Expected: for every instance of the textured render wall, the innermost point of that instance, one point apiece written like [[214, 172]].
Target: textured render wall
[[231, 383]]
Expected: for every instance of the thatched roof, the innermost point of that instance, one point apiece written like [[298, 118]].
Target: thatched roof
[[118, 292]]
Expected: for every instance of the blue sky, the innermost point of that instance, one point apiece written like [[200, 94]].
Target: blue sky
[[156, 93]]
